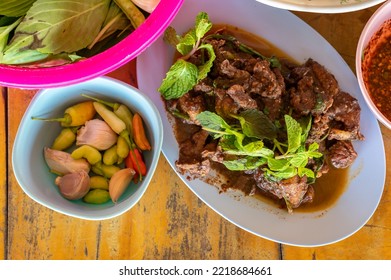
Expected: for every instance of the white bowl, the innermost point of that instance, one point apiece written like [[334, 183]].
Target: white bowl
[[322, 6], [371, 28], [28, 163], [366, 176]]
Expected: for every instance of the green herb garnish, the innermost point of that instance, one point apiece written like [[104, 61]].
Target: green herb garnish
[[183, 75], [285, 160]]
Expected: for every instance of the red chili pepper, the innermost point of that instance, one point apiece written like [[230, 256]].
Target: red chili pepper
[[135, 160]]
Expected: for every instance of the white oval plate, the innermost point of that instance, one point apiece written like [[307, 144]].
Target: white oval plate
[[322, 6], [297, 39]]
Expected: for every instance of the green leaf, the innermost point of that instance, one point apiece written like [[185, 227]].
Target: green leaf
[[299, 160], [204, 69], [211, 121], [15, 8], [5, 31], [294, 134], [280, 175], [23, 57], [277, 164], [203, 24], [171, 37], [301, 171], [187, 43], [181, 78], [313, 147], [305, 124], [256, 124], [241, 164], [57, 26]]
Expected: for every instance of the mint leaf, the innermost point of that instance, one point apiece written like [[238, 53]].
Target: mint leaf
[[301, 171], [187, 43], [171, 37], [203, 24], [299, 160], [212, 122], [293, 129], [277, 164], [204, 69], [280, 175], [181, 78], [256, 124], [246, 163]]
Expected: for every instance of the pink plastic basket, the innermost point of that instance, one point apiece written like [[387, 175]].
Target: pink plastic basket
[[100, 64]]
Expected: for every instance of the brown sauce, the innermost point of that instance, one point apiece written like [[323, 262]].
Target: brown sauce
[[257, 43], [328, 188]]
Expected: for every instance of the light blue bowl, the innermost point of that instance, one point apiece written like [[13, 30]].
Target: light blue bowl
[[28, 162]]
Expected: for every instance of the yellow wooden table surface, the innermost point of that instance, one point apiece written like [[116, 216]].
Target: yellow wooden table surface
[[169, 222]]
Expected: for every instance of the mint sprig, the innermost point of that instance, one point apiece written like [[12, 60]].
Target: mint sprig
[[287, 159], [183, 75]]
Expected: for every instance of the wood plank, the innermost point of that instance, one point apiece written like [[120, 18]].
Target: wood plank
[[3, 175]]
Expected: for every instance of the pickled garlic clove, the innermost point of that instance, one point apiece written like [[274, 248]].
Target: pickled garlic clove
[[75, 185], [119, 182], [96, 133], [62, 163]]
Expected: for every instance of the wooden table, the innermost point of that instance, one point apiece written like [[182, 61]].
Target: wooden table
[[169, 222]]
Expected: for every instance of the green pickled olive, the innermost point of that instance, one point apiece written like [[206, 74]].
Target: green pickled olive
[[91, 154], [122, 147], [65, 139], [110, 156], [104, 169], [75, 115], [99, 182], [97, 196]]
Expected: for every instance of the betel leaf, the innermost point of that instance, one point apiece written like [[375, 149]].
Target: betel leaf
[[57, 26], [15, 8], [181, 78], [256, 124], [5, 31]]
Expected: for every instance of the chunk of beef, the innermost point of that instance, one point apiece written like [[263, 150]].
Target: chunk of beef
[[192, 105], [224, 104], [265, 81], [237, 93], [342, 154], [190, 154], [345, 109], [204, 86], [292, 190], [319, 129], [240, 76], [272, 107], [315, 89], [303, 97], [345, 113]]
